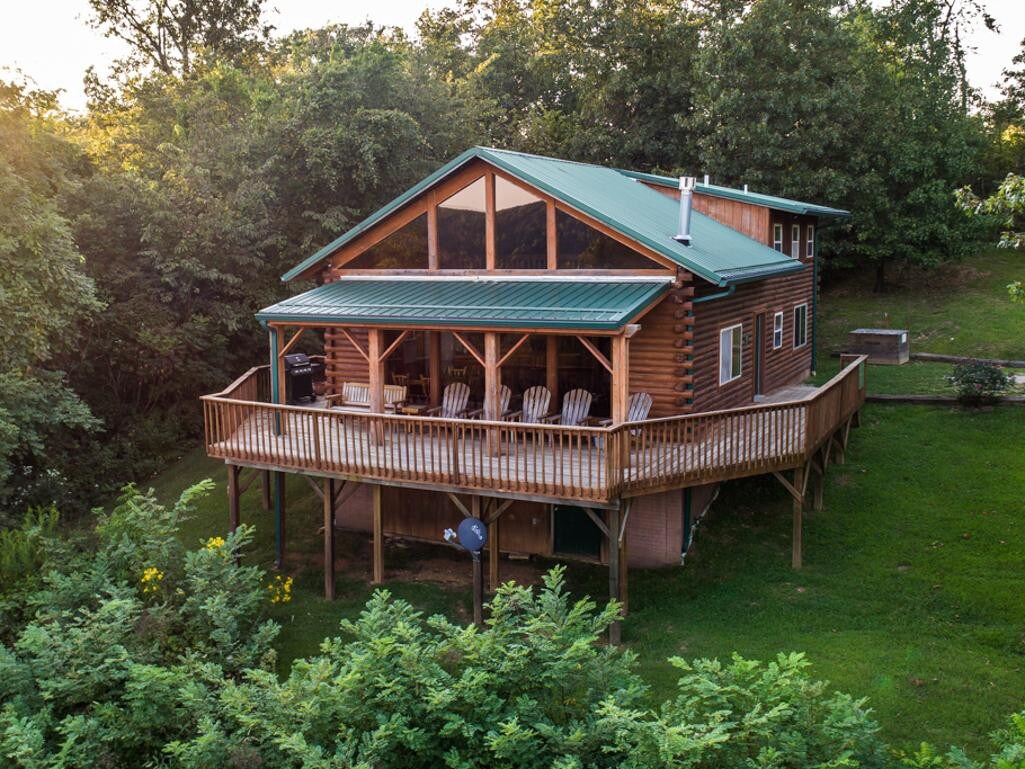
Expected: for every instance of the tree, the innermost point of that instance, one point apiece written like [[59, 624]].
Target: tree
[[168, 34], [45, 300]]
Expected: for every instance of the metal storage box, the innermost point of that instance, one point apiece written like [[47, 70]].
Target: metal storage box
[[881, 345]]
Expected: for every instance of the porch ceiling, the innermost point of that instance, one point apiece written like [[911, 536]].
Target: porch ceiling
[[589, 304]]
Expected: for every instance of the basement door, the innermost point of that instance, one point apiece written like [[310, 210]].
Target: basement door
[[574, 533]]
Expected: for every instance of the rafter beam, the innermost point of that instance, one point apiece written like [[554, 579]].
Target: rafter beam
[[354, 343]]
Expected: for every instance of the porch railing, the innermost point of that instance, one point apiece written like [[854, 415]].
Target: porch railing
[[582, 464]]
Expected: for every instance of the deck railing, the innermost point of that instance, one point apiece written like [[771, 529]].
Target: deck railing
[[583, 464]]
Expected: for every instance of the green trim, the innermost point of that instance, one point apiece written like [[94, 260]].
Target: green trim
[[755, 198], [719, 254], [718, 295]]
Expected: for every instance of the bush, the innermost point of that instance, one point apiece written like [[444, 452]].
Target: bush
[[1009, 744], [977, 382]]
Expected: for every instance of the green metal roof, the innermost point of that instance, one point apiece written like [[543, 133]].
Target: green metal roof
[[535, 303], [757, 198], [718, 253]]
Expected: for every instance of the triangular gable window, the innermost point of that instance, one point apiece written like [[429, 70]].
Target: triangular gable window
[[404, 249], [581, 247]]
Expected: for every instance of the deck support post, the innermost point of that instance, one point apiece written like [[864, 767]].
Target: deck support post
[[234, 517], [265, 489], [478, 569], [818, 485], [494, 553], [796, 553], [378, 535], [615, 629], [279, 520], [329, 538]]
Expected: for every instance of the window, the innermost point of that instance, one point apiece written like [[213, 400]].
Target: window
[[404, 249], [777, 330], [777, 237], [582, 247], [800, 325], [731, 353], [520, 228], [809, 243], [461, 229], [795, 241]]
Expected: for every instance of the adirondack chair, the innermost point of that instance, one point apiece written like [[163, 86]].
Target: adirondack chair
[[535, 405], [637, 408], [504, 396], [453, 402], [576, 405]]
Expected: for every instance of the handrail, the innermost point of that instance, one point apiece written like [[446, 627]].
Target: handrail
[[586, 463]]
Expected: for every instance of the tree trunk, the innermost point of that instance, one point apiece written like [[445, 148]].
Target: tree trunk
[[880, 287]]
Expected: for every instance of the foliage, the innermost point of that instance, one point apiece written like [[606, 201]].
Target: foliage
[[45, 298], [96, 666], [1010, 751], [21, 548], [978, 382], [168, 34]]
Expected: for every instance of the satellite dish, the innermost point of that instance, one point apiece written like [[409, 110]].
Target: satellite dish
[[473, 534]]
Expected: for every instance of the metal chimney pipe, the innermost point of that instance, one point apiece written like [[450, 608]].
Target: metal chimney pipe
[[686, 203]]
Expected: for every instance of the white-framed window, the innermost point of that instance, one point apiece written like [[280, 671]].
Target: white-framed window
[[777, 237], [731, 353], [777, 330], [800, 325], [809, 242], [795, 241]]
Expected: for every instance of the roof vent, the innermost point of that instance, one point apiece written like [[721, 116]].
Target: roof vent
[[706, 180], [686, 203]]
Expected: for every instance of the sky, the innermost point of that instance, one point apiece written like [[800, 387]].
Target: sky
[[50, 42]]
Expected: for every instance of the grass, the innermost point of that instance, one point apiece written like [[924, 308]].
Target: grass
[[962, 310], [913, 591]]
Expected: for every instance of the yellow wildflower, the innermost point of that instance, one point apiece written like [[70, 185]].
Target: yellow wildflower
[[215, 543], [280, 589], [151, 579]]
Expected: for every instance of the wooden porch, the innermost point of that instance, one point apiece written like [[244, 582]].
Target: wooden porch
[[590, 466]]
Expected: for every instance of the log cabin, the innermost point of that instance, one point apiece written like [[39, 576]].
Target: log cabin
[[577, 355]]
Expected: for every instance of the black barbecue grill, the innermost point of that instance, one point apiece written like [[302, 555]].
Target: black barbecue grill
[[300, 372]]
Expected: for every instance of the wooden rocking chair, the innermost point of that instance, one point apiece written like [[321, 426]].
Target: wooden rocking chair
[[535, 405], [637, 409], [453, 402], [504, 396], [576, 405]]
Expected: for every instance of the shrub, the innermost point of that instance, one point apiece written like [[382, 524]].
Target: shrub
[[977, 382], [1009, 744]]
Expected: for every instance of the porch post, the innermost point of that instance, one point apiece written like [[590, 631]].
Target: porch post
[[278, 364], [329, 539], [620, 377], [492, 375], [376, 366], [434, 366], [552, 366]]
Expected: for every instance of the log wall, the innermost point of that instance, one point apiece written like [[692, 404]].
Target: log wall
[[660, 359]]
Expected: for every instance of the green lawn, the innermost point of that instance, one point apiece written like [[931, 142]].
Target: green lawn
[[961, 310], [913, 592]]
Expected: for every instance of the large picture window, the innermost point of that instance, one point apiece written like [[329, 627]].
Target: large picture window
[[731, 353], [462, 229], [520, 228], [800, 325]]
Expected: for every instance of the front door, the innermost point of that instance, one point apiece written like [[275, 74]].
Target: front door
[[759, 343]]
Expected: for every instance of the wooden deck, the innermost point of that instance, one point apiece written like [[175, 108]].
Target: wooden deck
[[588, 465]]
